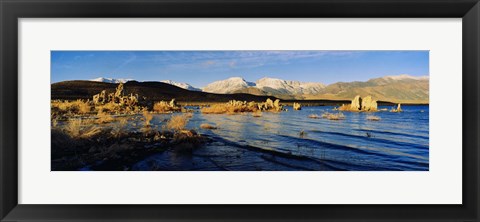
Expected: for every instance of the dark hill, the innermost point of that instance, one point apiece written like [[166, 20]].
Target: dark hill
[[156, 91], [79, 89]]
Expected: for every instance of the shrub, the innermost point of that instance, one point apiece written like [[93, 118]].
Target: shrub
[[215, 109], [177, 122], [73, 127], [147, 117], [165, 107], [234, 106], [76, 128], [82, 107], [90, 131], [74, 107], [109, 107], [103, 117], [187, 140]]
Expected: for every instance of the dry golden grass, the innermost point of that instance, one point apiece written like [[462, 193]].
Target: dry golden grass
[[90, 131], [83, 107], [77, 128], [73, 127], [218, 109], [103, 117], [63, 109], [147, 117], [207, 126], [215, 109], [165, 107], [108, 107], [234, 107], [160, 107], [177, 122], [373, 118], [61, 105], [72, 107], [231, 107]]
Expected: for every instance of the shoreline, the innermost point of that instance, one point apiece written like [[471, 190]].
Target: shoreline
[[303, 103]]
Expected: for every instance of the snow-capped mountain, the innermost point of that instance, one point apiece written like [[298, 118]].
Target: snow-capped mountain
[[280, 86], [177, 84], [267, 85], [181, 85], [111, 80], [401, 88], [228, 85]]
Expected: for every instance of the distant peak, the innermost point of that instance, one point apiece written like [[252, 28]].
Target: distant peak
[[228, 85], [181, 85], [404, 76], [269, 78], [111, 80], [236, 78]]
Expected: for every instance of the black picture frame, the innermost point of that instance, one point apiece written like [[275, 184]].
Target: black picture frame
[[11, 11]]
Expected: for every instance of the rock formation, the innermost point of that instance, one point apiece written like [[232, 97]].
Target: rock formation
[[356, 103], [119, 92], [270, 105], [397, 110], [100, 98], [361, 105], [368, 104], [173, 103], [118, 97], [277, 106], [166, 107], [297, 106]]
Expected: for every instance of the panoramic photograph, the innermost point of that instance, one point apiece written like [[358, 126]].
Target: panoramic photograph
[[278, 110]]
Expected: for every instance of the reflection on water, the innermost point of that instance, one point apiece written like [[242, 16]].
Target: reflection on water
[[399, 141]]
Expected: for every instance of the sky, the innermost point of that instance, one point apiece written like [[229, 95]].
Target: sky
[[198, 68]]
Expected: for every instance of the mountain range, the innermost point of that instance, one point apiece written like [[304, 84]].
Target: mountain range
[[171, 82], [111, 80], [399, 88]]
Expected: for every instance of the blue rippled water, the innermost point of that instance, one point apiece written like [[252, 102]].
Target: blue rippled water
[[399, 141]]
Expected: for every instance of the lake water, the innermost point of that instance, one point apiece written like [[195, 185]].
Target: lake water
[[399, 141]]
